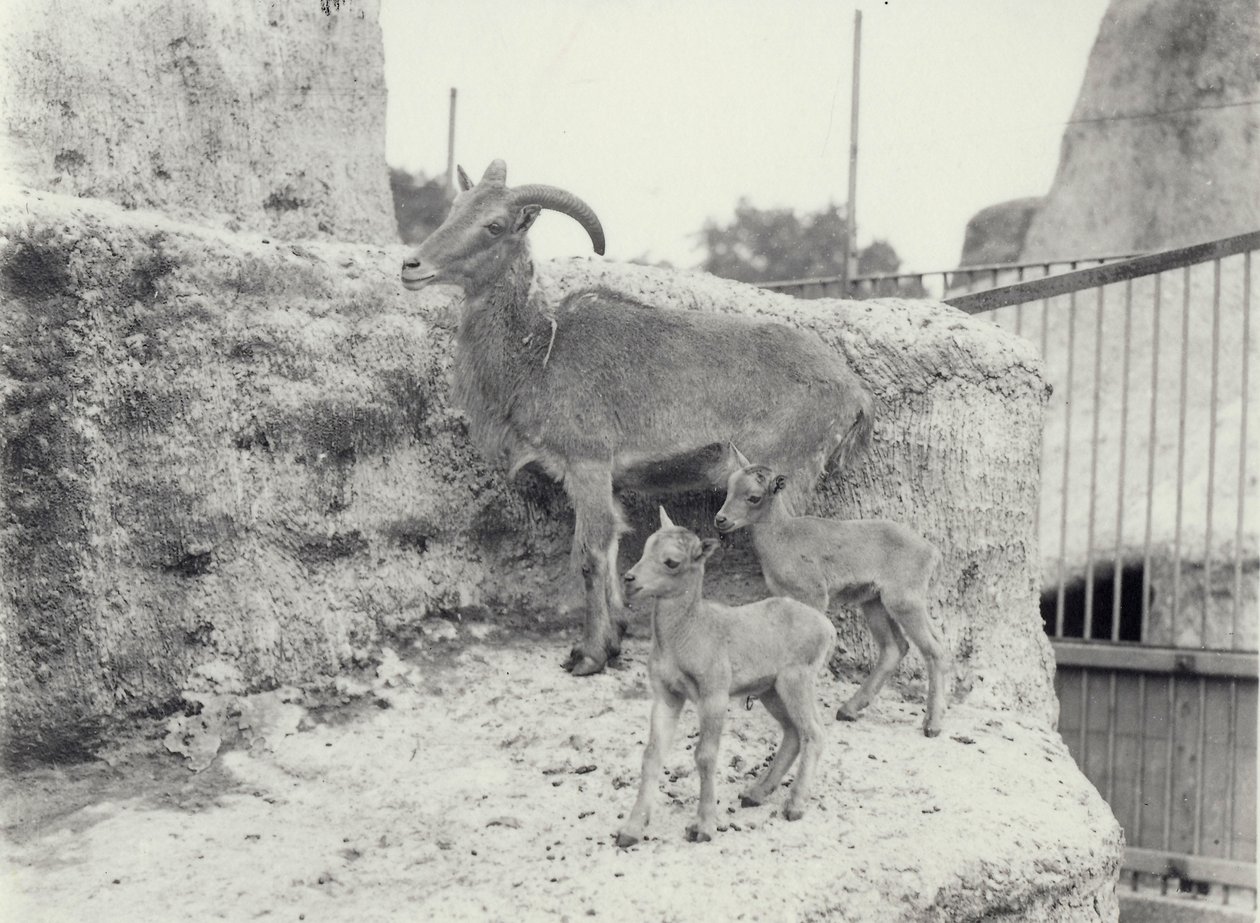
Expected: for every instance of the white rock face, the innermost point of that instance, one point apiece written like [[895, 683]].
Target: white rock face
[[259, 116]]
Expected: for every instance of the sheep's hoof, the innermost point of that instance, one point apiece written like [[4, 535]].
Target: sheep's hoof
[[585, 666], [845, 713], [931, 732], [697, 835], [793, 813], [749, 801], [626, 840]]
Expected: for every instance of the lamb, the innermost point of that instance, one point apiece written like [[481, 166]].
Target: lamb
[[707, 652], [881, 565], [603, 393]]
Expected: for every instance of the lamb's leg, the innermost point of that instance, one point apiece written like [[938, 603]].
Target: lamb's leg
[[911, 614], [712, 712], [665, 710], [796, 689], [892, 647], [599, 522], [789, 747]]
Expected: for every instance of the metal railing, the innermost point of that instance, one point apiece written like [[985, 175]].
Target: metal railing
[[939, 283], [1150, 564]]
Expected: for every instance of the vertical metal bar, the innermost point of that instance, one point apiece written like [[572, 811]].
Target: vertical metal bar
[[1019, 308], [1111, 734], [1139, 800], [850, 217], [1171, 749], [1242, 448], [1181, 448], [1118, 579], [1201, 745], [1083, 734], [450, 147], [1067, 458], [1045, 332], [1232, 739], [1211, 472], [1093, 468], [1150, 460]]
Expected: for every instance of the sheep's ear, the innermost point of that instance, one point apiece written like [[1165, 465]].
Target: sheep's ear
[[666, 522], [777, 484], [707, 547], [464, 182], [526, 218]]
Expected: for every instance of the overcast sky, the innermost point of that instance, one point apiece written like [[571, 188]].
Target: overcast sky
[[662, 113]]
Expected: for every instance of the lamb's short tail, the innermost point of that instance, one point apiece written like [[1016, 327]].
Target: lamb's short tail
[[854, 442]]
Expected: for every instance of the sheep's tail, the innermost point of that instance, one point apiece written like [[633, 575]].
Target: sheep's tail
[[854, 442]]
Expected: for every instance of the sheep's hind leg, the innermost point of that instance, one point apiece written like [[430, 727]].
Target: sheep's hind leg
[[789, 747], [892, 647], [599, 523]]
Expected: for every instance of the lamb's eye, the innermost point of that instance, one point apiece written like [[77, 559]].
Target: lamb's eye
[[671, 564], [494, 228], [753, 501]]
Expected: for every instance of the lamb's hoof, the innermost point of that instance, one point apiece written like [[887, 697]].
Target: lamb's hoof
[[845, 713], [749, 801], [626, 840], [585, 666], [696, 835], [793, 813], [931, 732]]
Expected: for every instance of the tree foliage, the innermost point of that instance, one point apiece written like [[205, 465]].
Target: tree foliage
[[772, 244], [420, 204]]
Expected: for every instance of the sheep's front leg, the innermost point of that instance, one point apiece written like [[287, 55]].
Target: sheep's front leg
[[665, 709], [712, 711], [598, 527]]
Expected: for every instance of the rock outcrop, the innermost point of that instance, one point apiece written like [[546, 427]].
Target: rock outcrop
[[262, 116]]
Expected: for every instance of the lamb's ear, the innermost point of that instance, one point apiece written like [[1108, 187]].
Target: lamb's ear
[[707, 547], [778, 483], [666, 522], [464, 182], [526, 218]]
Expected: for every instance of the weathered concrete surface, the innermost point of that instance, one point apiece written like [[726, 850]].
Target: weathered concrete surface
[[493, 785], [266, 116], [223, 448], [1162, 147]]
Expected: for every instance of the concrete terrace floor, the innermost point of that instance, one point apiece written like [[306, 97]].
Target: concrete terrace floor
[[474, 779]]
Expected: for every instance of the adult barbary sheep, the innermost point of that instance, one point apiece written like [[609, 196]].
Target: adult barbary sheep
[[603, 390]]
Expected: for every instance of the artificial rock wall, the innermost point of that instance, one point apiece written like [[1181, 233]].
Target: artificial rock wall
[[261, 115], [222, 448]]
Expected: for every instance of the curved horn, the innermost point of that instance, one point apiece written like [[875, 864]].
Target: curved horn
[[566, 203]]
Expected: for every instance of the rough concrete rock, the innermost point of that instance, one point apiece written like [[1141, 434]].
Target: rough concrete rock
[[218, 447], [268, 116], [1162, 147]]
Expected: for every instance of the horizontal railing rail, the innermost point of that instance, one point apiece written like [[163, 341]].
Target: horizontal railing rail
[[1106, 274], [1112, 655]]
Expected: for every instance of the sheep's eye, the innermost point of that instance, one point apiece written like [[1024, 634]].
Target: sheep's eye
[[494, 228], [753, 501], [671, 564]]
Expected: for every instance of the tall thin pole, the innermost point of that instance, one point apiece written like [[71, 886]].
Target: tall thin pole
[[850, 256], [450, 146]]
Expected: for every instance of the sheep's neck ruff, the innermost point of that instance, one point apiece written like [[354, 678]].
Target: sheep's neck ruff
[[674, 619], [768, 533], [500, 344]]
